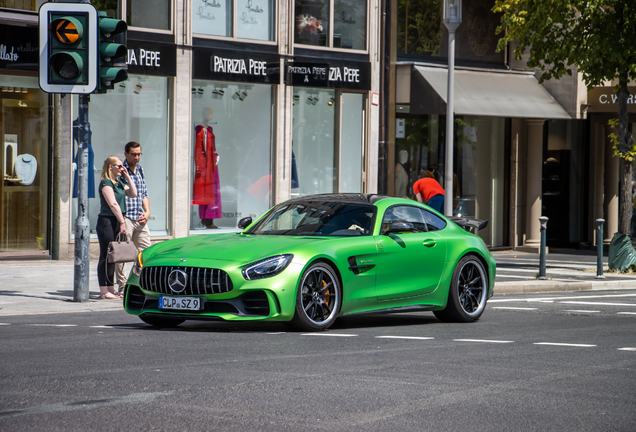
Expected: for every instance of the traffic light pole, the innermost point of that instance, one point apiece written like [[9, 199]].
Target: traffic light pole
[[82, 226]]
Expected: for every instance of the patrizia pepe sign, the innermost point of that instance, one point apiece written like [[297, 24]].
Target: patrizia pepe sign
[[241, 66], [148, 58], [335, 74]]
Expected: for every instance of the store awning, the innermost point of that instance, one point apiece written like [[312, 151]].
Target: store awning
[[483, 93]]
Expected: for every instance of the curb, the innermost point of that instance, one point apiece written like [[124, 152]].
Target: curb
[[548, 286]]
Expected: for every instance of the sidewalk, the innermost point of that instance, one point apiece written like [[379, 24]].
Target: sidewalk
[[45, 287]]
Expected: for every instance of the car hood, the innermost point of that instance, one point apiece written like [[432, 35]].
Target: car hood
[[226, 247]]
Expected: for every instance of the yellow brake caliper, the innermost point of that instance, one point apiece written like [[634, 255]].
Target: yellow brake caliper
[[324, 284]]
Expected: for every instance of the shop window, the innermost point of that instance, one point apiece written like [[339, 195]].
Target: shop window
[[30, 5], [327, 141], [150, 14], [313, 18], [137, 110], [478, 166], [111, 7], [25, 161], [255, 19], [231, 154]]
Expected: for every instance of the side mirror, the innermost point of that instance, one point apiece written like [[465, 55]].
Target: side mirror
[[245, 222], [400, 226]]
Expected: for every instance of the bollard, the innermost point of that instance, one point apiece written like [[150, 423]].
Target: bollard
[[599, 249], [544, 226]]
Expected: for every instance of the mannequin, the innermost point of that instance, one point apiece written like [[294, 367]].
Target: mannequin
[[401, 176], [206, 187], [25, 168]]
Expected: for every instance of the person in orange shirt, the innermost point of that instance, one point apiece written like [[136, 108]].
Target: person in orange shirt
[[429, 191]]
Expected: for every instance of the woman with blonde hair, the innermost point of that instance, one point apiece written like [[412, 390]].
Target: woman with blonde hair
[[113, 190]]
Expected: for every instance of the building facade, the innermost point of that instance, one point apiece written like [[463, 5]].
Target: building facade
[[522, 150], [284, 89]]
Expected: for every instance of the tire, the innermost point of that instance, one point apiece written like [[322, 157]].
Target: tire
[[318, 299], [468, 292], [161, 322]]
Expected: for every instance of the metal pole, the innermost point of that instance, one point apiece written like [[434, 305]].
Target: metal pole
[[599, 249], [450, 120], [82, 226], [544, 227]]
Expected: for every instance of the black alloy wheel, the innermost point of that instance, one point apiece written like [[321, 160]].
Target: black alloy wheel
[[318, 299], [468, 292]]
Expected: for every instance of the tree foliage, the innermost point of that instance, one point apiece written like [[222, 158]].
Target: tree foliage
[[594, 37]]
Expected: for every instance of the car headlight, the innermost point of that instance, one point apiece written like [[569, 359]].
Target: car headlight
[[139, 263], [267, 267]]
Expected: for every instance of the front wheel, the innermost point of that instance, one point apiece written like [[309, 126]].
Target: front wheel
[[161, 322], [468, 292], [318, 298]]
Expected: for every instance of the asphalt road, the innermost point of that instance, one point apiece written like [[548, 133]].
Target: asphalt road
[[534, 362]]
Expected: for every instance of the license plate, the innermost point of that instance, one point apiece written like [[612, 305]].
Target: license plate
[[180, 303]]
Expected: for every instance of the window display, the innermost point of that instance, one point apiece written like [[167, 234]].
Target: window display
[[256, 19], [24, 200], [231, 154], [138, 110], [312, 22]]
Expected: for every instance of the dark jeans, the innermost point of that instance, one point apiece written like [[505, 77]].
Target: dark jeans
[[107, 229], [436, 202], [632, 228]]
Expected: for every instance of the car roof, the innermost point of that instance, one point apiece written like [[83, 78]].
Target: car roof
[[341, 197]]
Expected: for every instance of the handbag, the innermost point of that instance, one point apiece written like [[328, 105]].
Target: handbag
[[121, 250]]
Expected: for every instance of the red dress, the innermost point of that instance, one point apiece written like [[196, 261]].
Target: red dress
[[206, 188]]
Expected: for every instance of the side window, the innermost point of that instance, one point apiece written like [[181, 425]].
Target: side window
[[406, 214], [433, 223]]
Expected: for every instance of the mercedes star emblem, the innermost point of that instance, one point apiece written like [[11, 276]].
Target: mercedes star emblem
[[177, 280]]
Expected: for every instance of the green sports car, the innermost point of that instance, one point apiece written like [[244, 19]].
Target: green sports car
[[312, 259]]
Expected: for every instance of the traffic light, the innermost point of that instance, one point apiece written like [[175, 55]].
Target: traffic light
[[68, 48], [109, 72]]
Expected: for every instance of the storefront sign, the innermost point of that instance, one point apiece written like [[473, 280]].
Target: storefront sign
[[19, 48], [334, 74], [605, 99], [224, 65], [149, 58]]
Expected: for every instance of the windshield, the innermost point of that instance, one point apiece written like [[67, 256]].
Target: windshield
[[314, 218]]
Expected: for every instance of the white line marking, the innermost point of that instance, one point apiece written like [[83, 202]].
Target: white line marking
[[597, 303], [481, 340], [564, 344], [582, 311], [625, 313], [541, 299], [52, 325], [513, 308], [329, 334], [627, 349], [405, 337], [1, 324], [115, 327]]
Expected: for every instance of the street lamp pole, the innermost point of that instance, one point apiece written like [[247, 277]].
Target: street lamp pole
[[452, 18]]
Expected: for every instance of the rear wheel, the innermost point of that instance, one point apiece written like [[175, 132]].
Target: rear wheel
[[318, 298], [468, 292], [161, 321]]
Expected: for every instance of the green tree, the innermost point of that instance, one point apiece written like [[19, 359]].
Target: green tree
[[597, 37]]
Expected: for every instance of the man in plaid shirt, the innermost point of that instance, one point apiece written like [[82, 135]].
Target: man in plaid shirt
[[137, 209]]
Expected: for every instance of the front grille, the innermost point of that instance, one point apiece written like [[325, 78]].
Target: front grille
[[200, 280]]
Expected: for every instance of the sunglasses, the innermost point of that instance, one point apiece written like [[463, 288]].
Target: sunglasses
[[118, 166]]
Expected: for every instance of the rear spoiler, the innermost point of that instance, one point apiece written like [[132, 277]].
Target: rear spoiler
[[469, 223]]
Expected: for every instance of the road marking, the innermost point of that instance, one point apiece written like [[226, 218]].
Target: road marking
[[513, 308], [563, 344], [542, 299], [329, 334], [597, 303], [627, 349], [482, 340], [83, 405], [582, 311], [117, 327], [52, 325], [405, 337], [625, 313], [1, 324]]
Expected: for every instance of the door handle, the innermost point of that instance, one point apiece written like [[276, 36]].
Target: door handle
[[429, 243]]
